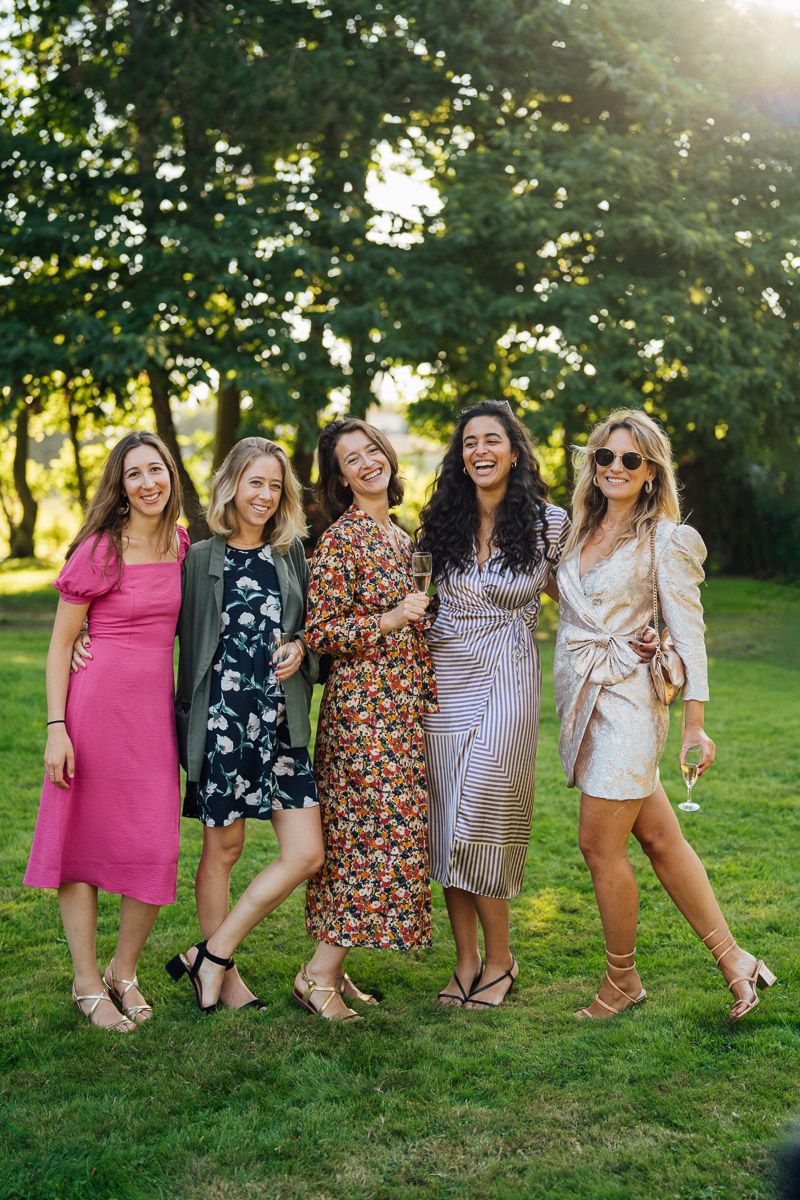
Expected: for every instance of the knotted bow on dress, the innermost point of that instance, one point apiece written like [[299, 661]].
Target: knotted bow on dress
[[598, 656]]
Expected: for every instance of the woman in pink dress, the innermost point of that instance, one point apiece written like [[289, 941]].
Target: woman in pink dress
[[110, 808]]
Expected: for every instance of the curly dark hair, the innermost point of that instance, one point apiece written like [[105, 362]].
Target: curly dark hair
[[332, 493], [450, 519]]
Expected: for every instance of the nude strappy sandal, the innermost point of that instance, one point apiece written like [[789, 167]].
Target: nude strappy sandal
[[759, 978], [119, 988], [118, 1026], [630, 1001]]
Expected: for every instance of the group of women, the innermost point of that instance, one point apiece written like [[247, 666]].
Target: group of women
[[425, 753]]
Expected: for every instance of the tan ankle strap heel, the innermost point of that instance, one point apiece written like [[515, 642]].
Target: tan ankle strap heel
[[624, 967], [759, 978]]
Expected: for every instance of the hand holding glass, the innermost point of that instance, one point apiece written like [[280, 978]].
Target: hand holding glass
[[689, 769], [278, 645], [421, 570]]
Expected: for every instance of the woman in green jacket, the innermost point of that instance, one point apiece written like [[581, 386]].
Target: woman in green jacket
[[245, 679]]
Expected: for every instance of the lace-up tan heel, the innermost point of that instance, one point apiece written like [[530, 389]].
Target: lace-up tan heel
[[629, 1001], [759, 978]]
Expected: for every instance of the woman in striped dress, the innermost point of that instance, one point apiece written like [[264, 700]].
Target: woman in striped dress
[[495, 542]]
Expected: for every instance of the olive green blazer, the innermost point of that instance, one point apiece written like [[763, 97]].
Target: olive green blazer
[[199, 626]]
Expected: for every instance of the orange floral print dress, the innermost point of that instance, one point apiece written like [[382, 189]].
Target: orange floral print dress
[[373, 889]]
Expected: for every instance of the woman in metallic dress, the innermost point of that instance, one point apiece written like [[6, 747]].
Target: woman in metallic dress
[[613, 728]]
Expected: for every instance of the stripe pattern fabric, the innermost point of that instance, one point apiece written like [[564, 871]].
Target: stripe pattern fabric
[[480, 746]]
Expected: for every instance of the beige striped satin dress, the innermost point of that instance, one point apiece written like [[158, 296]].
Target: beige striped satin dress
[[480, 747]]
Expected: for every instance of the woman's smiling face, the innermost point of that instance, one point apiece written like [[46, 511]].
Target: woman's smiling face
[[487, 452], [363, 466]]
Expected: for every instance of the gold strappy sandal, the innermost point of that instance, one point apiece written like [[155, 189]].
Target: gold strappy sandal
[[119, 988], [350, 991], [759, 978], [118, 1026], [630, 1001], [311, 986]]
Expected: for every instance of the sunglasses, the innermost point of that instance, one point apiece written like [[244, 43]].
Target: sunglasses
[[630, 460]]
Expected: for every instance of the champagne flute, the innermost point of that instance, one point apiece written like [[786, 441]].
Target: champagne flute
[[421, 570], [689, 768], [277, 644]]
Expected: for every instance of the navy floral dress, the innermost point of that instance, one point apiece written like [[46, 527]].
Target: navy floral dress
[[250, 769]]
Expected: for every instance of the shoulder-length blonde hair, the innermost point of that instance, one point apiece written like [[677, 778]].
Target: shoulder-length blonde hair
[[108, 510], [588, 502], [288, 521]]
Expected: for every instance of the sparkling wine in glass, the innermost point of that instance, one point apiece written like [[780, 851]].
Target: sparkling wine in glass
[[278, 642], [421, 569], [689, 769]]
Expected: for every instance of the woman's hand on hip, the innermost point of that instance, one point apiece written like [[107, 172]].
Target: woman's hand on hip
[[695, 735], [59, 757], [411, 608], [288, 660]]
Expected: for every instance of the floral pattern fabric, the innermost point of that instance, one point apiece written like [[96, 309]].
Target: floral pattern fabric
[[250, 769], [373, 889]]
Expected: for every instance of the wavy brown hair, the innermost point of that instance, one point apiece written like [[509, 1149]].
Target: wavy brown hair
[[332, 492], [288, 520], [589, 505], [103, 513]]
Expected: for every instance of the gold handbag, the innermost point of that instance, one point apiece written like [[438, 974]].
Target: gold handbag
[[667, 671]]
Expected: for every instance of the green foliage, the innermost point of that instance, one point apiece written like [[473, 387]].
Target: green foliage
[[611, 219], [415, 1102]]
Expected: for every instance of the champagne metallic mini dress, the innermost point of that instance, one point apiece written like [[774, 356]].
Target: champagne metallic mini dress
[[613, 728]]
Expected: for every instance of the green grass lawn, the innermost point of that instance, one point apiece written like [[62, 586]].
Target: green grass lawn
[[415, 1101]]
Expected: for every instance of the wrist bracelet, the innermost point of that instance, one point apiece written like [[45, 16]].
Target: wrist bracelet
[[56, 722]]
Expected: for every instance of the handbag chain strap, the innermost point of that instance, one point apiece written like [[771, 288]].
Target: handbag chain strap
[[657, 655]]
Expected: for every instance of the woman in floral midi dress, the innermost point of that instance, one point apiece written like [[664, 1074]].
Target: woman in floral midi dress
[[373, 888]]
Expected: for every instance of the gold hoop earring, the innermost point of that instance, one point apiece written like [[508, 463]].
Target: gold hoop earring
[[648, 487], [123, 508]]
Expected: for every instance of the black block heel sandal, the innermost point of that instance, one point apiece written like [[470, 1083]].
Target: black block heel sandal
[[178, 966]]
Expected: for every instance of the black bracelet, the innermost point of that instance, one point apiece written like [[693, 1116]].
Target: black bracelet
[[56, 722]]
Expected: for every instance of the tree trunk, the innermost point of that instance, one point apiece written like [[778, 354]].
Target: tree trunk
[[22, 534], [229, 399], [159, 391], [72, 421]]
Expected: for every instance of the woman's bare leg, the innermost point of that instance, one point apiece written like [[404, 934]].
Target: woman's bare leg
[[136, 919], [299, 835], [464, 922], [684, 878], [493, 916], [78, 904], [222, 849], [605, 827]]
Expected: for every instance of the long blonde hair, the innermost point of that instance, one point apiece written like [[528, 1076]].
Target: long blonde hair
[[108, 509], [287, 523], [588, 502]]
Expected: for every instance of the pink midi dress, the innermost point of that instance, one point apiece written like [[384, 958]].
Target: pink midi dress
[[117, 825]]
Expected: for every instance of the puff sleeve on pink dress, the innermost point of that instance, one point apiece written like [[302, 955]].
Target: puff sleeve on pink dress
[[116, 826]]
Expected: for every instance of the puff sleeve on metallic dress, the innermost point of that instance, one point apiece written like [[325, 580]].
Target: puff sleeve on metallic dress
[[679, 573]]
